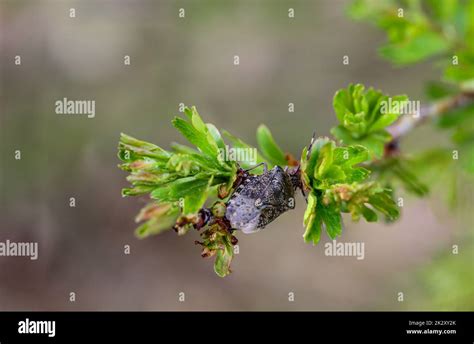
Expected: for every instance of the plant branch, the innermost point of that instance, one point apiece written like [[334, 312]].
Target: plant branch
[[408, 122]]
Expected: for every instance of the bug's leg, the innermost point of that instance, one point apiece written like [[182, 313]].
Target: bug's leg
[[304, 195], [265, 167], [204, 216]]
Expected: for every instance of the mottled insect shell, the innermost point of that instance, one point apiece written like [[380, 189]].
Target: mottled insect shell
[[260, 199]]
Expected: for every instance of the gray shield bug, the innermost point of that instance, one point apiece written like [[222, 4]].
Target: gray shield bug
[[257, 200], [260, 199]]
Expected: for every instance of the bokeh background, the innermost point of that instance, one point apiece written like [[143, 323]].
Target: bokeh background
[[190, 60]]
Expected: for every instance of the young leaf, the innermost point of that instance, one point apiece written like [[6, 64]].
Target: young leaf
[[331, 217], [347, 157], [325, 159], [356, 197], [269, 147], [131, 149], [224, 257], [400, 169], [158, 217], [312, 221], [216, 135], [364, 117], [415, 48], [182, 149], [318, 216], [195, 198], [385, 204], [238, 143], [196, 137], [309, 163]]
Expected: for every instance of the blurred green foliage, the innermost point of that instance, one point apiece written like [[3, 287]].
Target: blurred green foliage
[[421, 29], [418, 30], [446, 284]]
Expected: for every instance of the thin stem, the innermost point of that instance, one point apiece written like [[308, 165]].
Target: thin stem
[[408, 122]]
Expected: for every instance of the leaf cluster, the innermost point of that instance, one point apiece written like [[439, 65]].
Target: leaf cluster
[[180, 180], [338, 184], [364, 116]]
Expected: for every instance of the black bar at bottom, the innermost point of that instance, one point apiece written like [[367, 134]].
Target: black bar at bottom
[[408, 327]]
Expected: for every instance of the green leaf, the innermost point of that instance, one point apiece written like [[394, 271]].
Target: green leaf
[[309, 164], [331, 218], [182, 149], [415, 48], [416, 172], [131, 149], [318, 216], [410, 181], [383, 122], [341, 101], [269, 147], [205, 137], [334, 174], [216, 135], [196, 137], [158, 217], [137, 190], [224, 258], [369, 214], [310, 208], [375, 143], [358, 199], [238, 143], [384, 203], [347, 157], [182, 187], [325, 159], [311, 221], [350, 155], [196, 121], [196, 198]]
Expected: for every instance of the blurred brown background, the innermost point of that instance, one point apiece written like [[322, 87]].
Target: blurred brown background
[[190, 60]]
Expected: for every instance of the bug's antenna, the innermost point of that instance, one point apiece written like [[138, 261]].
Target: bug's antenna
[[265, 167], [308, 153], [310, 147]]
